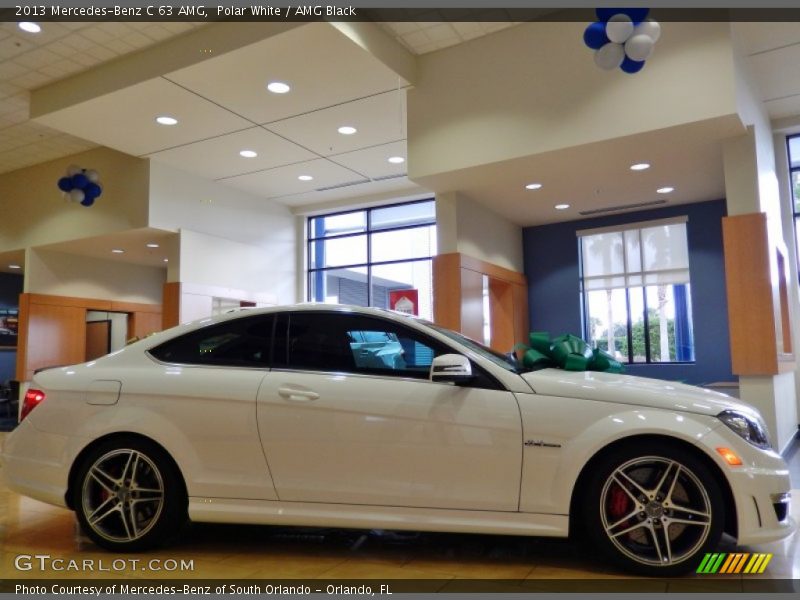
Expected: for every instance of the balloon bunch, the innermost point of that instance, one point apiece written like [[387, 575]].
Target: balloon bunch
[[81, 185], [622, 38]]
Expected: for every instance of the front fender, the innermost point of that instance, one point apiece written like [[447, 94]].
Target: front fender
[[573, 431]]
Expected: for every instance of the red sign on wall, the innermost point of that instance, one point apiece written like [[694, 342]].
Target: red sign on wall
[[405, 301]]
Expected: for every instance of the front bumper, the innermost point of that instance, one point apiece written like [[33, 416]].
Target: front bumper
[[760, 486]]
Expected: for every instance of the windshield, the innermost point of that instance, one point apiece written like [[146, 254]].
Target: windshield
[[507, 361]]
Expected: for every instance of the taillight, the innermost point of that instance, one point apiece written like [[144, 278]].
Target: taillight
[[33, 398]]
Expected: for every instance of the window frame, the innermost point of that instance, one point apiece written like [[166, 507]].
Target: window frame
[[368, 232], [795, 211], [584, 300]]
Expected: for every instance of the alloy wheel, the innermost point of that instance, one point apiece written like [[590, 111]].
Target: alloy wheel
[[655, 510], [122, 495]]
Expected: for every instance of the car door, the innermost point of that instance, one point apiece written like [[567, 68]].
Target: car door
[[348, 415], [203, 393]]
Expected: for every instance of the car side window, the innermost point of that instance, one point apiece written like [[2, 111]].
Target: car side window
[[348, 343], [243, 342]]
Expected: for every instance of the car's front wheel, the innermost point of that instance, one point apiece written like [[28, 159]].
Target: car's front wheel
[[654, 509], [128, 495]]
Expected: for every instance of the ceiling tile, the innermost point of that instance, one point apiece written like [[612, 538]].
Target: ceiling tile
[[138, 133], [775, 72], [283, 181], [378, 119], [219, 157], [373, 162], [338, 72]]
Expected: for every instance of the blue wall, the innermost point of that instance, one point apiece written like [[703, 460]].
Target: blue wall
[[10, 289], [552, 268]]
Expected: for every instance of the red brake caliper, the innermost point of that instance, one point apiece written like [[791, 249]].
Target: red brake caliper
[[619, 503]]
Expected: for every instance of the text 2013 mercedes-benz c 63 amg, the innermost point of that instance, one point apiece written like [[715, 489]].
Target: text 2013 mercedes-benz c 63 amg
[[349, 417]]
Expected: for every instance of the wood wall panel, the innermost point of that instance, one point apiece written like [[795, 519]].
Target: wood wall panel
[[501, 305], [56, 336], [458, 299], [171, 302], [472, 304], [52, 329], [751, 315], [447, 291]]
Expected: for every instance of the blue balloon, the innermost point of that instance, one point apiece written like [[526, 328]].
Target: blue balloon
[[637, 15], [65, 184], [595, 35], [92, 190], [79, 181], [632, 66], [87, 201]]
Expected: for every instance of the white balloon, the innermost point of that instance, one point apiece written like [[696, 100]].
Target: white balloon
[[92, 175], [73, 170], [650, 28], [610, 56], [619, 28], [77, 195], [639, 47]]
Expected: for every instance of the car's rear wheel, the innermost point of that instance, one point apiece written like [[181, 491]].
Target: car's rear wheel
[[654, 509], [128, 495]]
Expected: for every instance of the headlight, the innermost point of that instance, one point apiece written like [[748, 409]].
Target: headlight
[[747, 428]]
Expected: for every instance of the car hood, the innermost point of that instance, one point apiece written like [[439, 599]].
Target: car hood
[[637, 391]]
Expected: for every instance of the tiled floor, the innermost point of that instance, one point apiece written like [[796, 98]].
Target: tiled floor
[[252, 552]]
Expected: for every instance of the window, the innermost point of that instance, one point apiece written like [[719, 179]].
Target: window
[[793, 144], [243, 342], [353, 344], [637, 293], [360, 257]]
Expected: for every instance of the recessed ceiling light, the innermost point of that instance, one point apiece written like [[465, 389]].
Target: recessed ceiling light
[[396, 160], [305, 178], [533, 186], [152, 245], [118, 251], [665, 190], [562, 206], [640, 167], [278, 87], [248, 153], [347, 130], [14, 267], [30, 27], [165, 120]]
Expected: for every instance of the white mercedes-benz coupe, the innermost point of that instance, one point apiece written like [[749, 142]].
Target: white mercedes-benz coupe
[[338, 416]]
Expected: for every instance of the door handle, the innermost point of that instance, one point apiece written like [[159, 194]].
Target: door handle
[[294, 394]]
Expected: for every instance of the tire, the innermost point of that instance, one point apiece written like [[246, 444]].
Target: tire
[[129, 495], [651, 492]]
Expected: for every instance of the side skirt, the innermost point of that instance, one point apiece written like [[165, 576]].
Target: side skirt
[[267, 512]]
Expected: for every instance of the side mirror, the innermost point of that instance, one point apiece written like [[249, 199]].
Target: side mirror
[[451, 367]]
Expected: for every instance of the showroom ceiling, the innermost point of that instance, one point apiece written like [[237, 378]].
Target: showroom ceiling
[[223, 109]]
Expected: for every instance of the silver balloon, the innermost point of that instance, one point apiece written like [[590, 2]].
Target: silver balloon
[[650, 28], [92, 175], [610, 56], [77, 195], [619, 28], [73, 170], [639, 47]]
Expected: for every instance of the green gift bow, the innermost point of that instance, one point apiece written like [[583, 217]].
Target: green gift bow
[[567, 352]]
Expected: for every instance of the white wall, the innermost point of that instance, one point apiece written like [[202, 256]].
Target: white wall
[[534, 88], [34, 212], [61, 274], [212, 261], [229, 239], [466, 226]]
